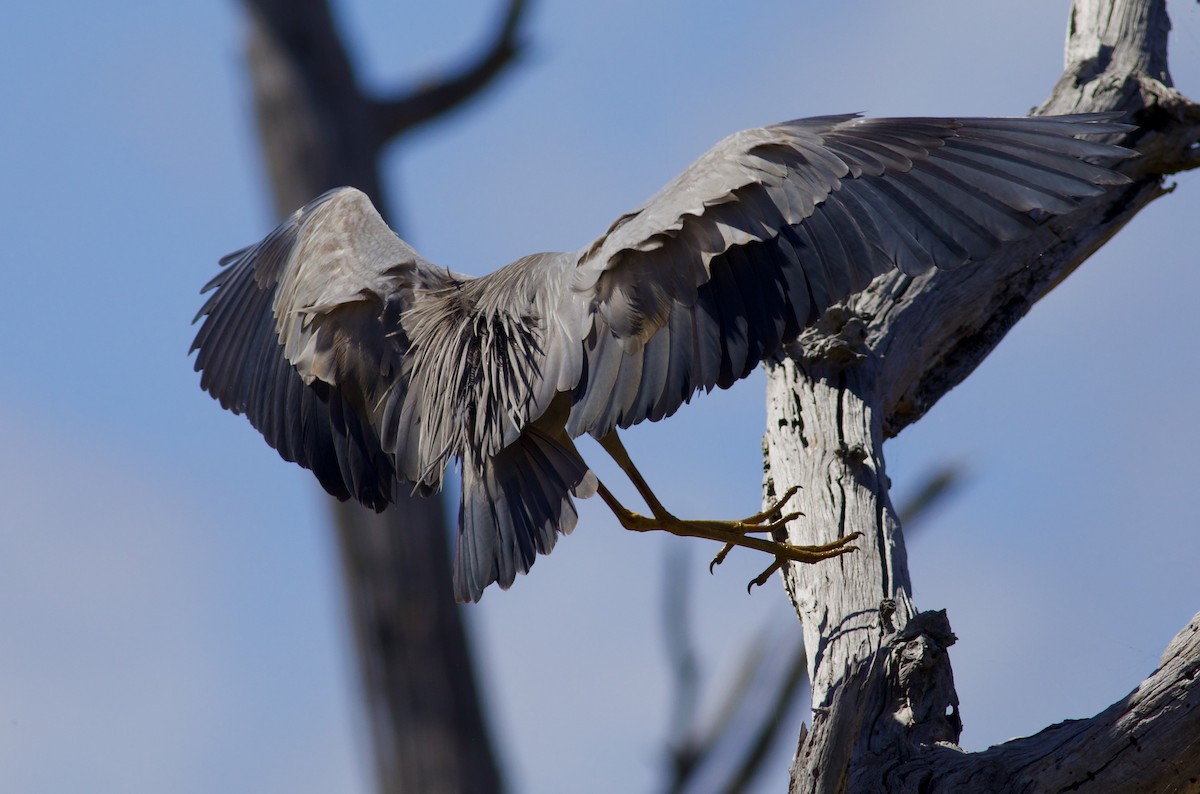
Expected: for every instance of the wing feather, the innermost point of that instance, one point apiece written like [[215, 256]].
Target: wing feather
[[515, 504], [293, 336], [772, 226]]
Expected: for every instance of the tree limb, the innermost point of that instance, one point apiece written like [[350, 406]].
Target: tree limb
[[396, 115], [876, 365], [1148, 741]]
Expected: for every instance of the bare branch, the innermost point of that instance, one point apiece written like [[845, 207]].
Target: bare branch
[[685, 667], [912, 339], [946, 323], [727, 755], [1149, 741], [761, 735], [935, 488], [396, 115]]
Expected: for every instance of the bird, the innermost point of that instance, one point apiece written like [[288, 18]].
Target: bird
[[378, 370]]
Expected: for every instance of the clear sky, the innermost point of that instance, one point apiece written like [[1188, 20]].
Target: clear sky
[[170, 618]]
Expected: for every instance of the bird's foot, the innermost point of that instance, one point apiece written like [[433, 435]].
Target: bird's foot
[[768, 520], [772, 518], [736, 533], [811, 554]]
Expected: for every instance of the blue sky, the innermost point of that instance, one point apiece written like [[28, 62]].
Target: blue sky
[[169, 603]]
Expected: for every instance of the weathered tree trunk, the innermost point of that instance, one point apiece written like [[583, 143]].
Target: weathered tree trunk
[[319, 130], [885, 712]]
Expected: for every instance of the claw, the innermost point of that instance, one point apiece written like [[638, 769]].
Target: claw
[[827, 551], [762, 578], [747, 526], [720, 558]]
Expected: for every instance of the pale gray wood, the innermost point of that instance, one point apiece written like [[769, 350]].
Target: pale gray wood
[[874, 366]]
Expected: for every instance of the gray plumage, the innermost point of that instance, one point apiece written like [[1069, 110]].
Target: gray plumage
[[361, 361]]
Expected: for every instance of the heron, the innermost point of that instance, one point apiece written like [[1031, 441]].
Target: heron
[[377, 370]]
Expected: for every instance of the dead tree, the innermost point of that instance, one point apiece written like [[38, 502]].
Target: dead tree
[[320, 130], [885, 712]]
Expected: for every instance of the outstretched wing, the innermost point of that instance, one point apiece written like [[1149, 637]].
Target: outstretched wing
[[749, 245], [314, 335], [293, 337]]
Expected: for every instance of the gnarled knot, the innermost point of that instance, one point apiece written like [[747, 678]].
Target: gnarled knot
[[839, 337], [926, 702]]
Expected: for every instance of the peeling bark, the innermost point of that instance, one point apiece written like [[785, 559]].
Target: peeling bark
[[885, 711]]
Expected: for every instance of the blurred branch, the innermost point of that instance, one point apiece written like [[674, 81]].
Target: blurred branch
[[436, 97], [681, 658], [936, 487], [783, 691], [319, 131]]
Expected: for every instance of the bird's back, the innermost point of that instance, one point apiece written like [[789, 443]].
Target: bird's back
[[476, 354]]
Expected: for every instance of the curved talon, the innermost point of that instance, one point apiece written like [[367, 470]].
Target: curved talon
[[812, 554], [762, 578], [795, 489], [720, 557]]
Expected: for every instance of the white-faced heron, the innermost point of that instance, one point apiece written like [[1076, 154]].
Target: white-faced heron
[[375, 369]]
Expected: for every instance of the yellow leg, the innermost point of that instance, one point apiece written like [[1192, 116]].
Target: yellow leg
[[730, 533]]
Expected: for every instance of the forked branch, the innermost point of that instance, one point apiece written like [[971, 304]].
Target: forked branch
[[884, 705]]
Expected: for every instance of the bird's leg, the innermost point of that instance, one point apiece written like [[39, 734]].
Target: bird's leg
[[730, 533], [766, 521]]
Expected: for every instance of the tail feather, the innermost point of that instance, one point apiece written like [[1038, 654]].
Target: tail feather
[[514, 506]]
